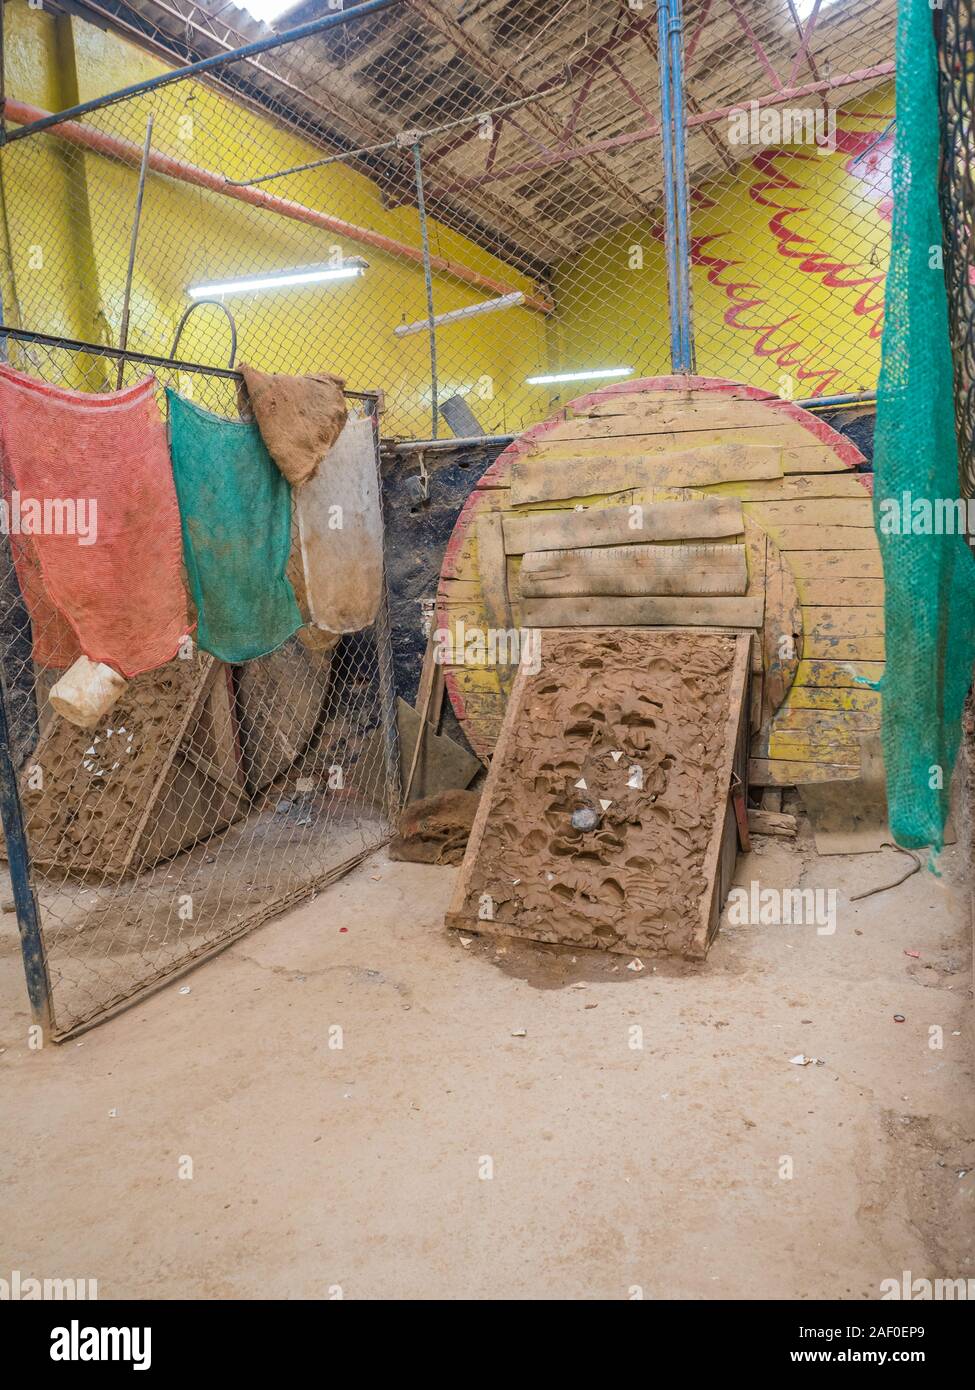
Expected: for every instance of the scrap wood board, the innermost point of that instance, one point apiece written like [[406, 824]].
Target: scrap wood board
[[158, 773], [606, 819], [815, 524]]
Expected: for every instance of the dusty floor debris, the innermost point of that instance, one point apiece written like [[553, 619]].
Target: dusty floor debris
[[638, 1144]]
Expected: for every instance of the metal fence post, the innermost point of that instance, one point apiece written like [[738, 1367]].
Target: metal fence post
[[18, 860], [675, 68], [428, 281], [384, 653], [670, 50]]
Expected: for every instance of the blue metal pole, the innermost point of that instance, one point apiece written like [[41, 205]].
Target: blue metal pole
[[18, 861], [216, 60], [670, 227], [675, 69], [421, 208]]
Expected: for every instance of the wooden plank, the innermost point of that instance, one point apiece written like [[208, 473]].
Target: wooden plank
[[492, 571], [811, 697], [643, 612], [755, 700], [836, 564], [796, 486], [784, 772], [862, 621], [790, 538], [634, 570], [840, 593], [689, 398], [591, 474], [756, 548], [804, 746], [826, 721], [838, 674], [842, 648], [567, 530], [528, 911], [780, 433], [814, 511], [771, 823], [782, 632], [723, 832], [641, 416], [430, 691], [210, 670]]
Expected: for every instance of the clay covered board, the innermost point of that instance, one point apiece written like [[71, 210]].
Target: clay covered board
[[602, 820]]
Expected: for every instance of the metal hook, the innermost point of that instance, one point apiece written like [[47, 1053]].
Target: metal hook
[[198, 305]]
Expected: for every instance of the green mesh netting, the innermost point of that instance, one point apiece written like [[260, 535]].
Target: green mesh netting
[[929, 578], [235, 508]]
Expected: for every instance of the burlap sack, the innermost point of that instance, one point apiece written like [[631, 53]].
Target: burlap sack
[[300, 418]]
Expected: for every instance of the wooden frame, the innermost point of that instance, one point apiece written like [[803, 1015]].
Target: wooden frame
[[721, 851]]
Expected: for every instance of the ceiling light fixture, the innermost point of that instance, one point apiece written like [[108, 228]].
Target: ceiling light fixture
[[283, 279], [579, 376]]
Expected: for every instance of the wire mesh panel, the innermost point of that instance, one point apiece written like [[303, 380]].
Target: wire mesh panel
[[456, 203], [956, 58], [790, 135], [459, 204], [209, 798]]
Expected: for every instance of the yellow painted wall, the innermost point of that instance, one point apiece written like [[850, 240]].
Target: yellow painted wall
[[795, 325], [800, 324], [190, 236]]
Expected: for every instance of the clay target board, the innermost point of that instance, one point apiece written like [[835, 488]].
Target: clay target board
[[606, 818], [545, 539]]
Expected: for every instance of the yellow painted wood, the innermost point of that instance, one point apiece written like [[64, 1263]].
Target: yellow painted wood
[[808, 512], [822, 721], [836, 564], [815, 511], [628, 402], [799, 444], [843, 648], [840, 593], [593, 474], [844, 622], [822, 537], [783, 631], [796, 487], [831, 698], [804, 746], [788, 772], [837, 674], [652, 417], [646, 611], [630, 525], [634, 570]]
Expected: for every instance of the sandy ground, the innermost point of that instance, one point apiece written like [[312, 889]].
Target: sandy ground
[[437, 1155]]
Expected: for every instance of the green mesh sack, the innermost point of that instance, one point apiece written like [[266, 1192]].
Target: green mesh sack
[[929, 578]]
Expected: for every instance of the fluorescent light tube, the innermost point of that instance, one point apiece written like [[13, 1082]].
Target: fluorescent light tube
[[280, 280], [579, 376]]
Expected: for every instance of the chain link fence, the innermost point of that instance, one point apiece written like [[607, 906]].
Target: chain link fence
[[957, 90], [473, 193], [212, 796], [456, 207]]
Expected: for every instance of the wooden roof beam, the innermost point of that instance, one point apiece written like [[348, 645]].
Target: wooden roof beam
[[513, 88]]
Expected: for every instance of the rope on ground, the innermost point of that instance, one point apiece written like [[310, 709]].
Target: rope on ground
[[883, 887]]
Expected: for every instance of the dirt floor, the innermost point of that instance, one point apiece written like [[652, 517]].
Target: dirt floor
[[488, 1128]]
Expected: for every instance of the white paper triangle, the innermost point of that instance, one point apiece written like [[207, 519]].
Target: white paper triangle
[[581, 784], [605, 805]]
